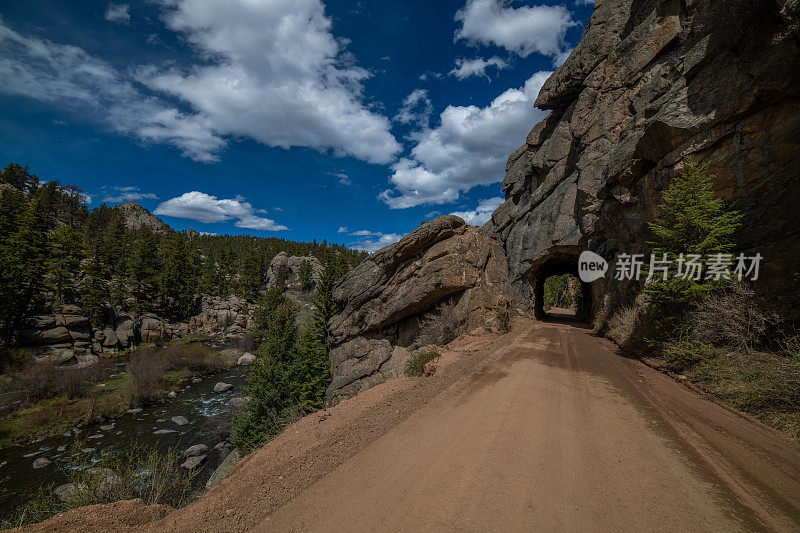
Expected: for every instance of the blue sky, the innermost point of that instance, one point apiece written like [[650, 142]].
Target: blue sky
[[348, 120]]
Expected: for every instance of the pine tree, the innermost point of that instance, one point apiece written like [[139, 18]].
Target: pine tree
[[694, 222], [304, 275], [25, 267], [324, 303], [66, 252]]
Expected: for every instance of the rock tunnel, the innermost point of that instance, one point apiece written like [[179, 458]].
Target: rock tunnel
[[557, 263]]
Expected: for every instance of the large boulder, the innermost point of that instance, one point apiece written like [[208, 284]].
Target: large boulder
[[652, 83], [442, 278], [284, 270]]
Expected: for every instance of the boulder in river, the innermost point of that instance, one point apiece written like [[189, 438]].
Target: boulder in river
[[224, 468], [197, 449], [193, 462], [246, 359], [41, 462], [222, 387], [68, 491], [180, 420], [237, 403], [164, 431]]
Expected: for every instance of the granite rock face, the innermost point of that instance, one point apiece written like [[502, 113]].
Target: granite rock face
[[444, 276], [652, 83], [136, 217], [285, 270]]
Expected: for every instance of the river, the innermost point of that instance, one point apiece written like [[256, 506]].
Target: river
[[205, 410]]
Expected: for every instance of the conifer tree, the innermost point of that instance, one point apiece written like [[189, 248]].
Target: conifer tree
[[694, 222]]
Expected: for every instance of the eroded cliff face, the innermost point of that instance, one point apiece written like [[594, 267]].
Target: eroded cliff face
[[445, 275], [652, 83]]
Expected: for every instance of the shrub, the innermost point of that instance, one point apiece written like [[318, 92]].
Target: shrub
[[684, 354], [141, 472], [505, 317], [37, 381], [791, 347], [415, 366], [734, 318], [441, 326]]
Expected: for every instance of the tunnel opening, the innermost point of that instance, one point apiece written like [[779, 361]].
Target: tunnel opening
[[558, 292]]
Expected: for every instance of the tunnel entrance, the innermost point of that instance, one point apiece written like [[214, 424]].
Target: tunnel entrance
[[557, 290], [562, 296]]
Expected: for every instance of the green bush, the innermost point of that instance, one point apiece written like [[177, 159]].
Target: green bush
[[415, 366], [141, 472], [684, 354]]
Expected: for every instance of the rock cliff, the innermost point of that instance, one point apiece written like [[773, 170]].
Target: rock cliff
[[652, 83], [285, 270], [137, 217], [442, 278]]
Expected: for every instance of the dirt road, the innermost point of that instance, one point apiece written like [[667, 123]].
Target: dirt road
[[545, 429]]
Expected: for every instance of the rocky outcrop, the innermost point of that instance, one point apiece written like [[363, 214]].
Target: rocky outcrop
[[64, 337], [284, 271], [68, 338], [228, 316], [445, 276], [652, 83], [136, 216]]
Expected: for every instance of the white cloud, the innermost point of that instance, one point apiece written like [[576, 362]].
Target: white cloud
[[476, 67], [523, 30], [279, 76], [342, 229], [481, 214], [118, 13], [373, 244], [123, 194], [343, 178], [469, 147], [69, 77], [416, 109], [269, 71], [196, 205]]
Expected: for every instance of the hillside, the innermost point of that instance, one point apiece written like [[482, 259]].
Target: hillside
[[79, 282]]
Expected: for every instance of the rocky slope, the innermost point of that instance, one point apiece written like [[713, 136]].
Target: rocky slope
[[442, 278], [137, 216], [652, 83]]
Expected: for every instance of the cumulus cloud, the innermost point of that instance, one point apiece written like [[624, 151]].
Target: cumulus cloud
[[196, 205], [279, 77], [481, 214], [476, 67], [124, 194], [523, 30], [374, 241], [416, 109], [118, 13], [269, 71], [342, 229], [469, 147]]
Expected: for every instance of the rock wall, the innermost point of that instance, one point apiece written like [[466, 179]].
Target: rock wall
[[652, 83], [394, 300]]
